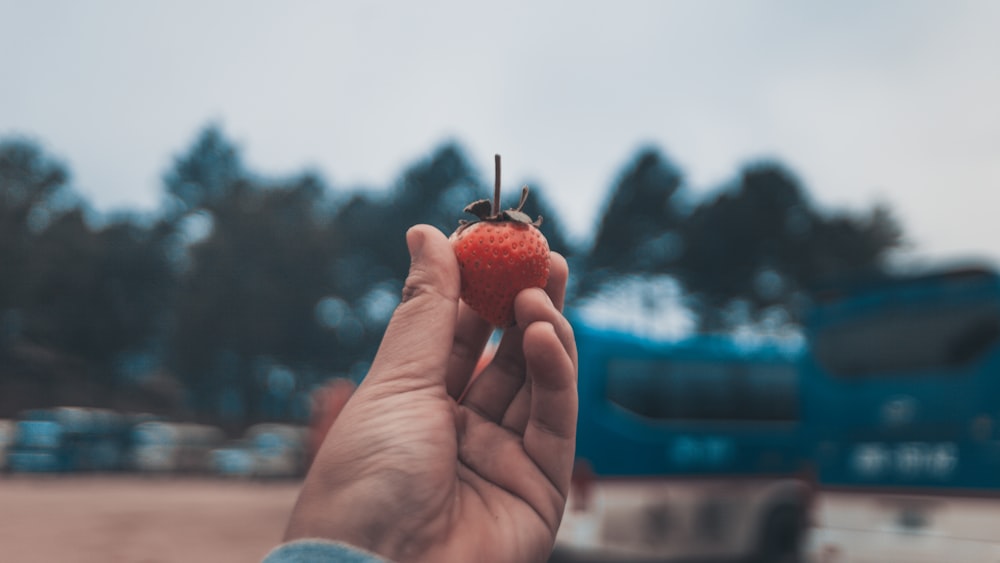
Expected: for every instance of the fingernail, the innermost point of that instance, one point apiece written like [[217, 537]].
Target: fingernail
[[415, 243]]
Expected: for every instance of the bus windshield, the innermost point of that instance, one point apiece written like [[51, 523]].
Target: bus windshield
[[908, 340]]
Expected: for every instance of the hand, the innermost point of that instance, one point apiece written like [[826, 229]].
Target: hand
[[411, 473]]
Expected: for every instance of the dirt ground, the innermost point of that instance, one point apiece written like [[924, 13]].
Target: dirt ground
[[133, 519]]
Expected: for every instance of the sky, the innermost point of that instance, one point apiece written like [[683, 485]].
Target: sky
[[891, 102]]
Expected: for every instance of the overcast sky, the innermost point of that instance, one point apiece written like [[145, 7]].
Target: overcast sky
[[888, 101]]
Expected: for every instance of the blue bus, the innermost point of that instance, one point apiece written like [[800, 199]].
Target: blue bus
[[685, 449], [901, 399]]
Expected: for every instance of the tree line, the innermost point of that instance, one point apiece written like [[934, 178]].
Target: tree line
[[244, 292]]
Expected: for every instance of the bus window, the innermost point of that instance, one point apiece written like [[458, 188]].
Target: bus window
[[769, 392], [703, 390], [670, 389], [700, 391], [904, 341], [633, 385]]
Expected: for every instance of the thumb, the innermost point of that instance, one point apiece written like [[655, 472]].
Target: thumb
[[417, 343]]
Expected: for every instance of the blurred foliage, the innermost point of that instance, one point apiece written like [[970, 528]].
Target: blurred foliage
[[761, 243], [758, 245], [246, 292], [639, 232]]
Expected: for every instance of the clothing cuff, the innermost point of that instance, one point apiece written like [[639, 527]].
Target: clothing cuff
[[316, 550]]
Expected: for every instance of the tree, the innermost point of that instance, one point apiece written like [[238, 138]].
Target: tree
[[852, 244], [204, 176], [136, 284], [762, 244], [250, 294], [96, 295], [72, 295], [538, 205], [433, 191], [639, 230], [29, 181]]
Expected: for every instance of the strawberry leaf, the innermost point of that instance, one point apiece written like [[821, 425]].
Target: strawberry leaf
[[519, 216], [480, 208]]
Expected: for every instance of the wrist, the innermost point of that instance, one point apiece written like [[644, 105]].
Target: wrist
[[357, 518]]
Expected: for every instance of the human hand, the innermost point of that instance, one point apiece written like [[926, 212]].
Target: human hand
[[411, 473]]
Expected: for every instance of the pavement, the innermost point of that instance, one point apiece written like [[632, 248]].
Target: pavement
[[135, 519]]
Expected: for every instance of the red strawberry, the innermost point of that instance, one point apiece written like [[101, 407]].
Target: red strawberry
[[499, 255]]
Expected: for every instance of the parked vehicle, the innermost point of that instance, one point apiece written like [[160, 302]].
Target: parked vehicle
[[901, 395], [68, 438], [7, 429], [234, 460], [685, 450], [267, 450], [280, 450], [174, 447]]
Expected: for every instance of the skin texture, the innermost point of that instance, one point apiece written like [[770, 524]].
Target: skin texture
[[411, 473]]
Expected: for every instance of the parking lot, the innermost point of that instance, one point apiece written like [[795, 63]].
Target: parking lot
[[141, 519], [134, 519]]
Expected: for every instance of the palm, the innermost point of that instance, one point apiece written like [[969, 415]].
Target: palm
[[458, 468], [498, 478]]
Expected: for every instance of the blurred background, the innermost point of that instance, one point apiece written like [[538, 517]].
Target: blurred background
[[202, 204]]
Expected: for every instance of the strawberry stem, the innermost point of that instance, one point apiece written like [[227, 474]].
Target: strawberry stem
[[496, 187]]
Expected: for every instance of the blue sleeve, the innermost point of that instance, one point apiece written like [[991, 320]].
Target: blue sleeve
[[320, 551]]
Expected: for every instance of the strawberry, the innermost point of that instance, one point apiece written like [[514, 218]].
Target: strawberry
[[498, 255]]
